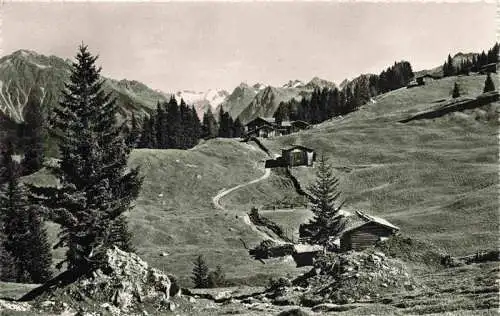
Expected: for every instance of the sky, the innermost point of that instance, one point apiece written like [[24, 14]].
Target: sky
[[197, 46]]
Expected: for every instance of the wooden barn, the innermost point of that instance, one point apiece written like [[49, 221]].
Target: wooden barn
[[366, 232], [298, 155]]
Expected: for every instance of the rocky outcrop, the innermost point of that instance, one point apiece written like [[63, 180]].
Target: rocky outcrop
[[124, 281]]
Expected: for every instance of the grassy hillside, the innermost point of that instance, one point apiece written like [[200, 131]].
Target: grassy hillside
[[174, 214], [437, 179]]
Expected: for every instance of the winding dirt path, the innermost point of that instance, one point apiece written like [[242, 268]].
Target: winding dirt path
[[246, 219]]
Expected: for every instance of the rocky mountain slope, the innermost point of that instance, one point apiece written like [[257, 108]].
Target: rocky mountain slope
[[26, 72], [267, 99]]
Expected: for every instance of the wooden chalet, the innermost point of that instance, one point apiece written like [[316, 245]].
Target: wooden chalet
[[363, 231], [298, 155], [264, 131], [259, 122]]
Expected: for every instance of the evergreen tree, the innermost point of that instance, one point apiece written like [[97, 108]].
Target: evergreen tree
[[8, 270], [96, 186], [488, 84], [456, 91], [238, 128], [173, 123], [200, 273], [210, 128], [25, 237], [197, 130], [34, 132], [216, 278], [327, 221], [120, 234], [134, 134], [148, 134], [160, 127]]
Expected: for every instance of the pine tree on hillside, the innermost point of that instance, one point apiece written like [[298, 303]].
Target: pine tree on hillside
[[327, 221], [160, 127], [120, 234], [200, 273], [148, 134], [196, 126], [456, 91], [134, 134], [210, 127], [25, 237], [238, 128], [96, 186], [8, 270], [34, 132], [173, 122], [488, 84]]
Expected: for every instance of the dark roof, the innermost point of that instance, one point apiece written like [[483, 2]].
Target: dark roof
[[299, 122], [269, 120], [429, 76]]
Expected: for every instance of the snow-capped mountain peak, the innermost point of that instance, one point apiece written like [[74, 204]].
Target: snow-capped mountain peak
[[293, 84]]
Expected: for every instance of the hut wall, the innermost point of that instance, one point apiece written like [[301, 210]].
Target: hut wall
[[364, 237]]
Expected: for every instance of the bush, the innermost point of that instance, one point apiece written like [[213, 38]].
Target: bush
[[217, 278]]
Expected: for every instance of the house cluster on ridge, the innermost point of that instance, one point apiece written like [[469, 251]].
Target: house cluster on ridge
[[269, 127]]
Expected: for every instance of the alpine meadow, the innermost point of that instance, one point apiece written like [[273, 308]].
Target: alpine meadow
[[236, 171]]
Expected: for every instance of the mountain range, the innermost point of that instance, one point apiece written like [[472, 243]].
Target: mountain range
[[24, 73]]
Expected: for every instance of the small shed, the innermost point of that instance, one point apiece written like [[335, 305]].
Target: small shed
[[366, 233], [304, 255], [298, 155]]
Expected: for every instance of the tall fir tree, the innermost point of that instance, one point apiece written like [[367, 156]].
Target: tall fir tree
[[25, 236], [96, 187], [238, 128], [210, 127], [200, 273], [327, 221], [35, 135], [456, 91], [173, 121], [134, 133], [488, 84]]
